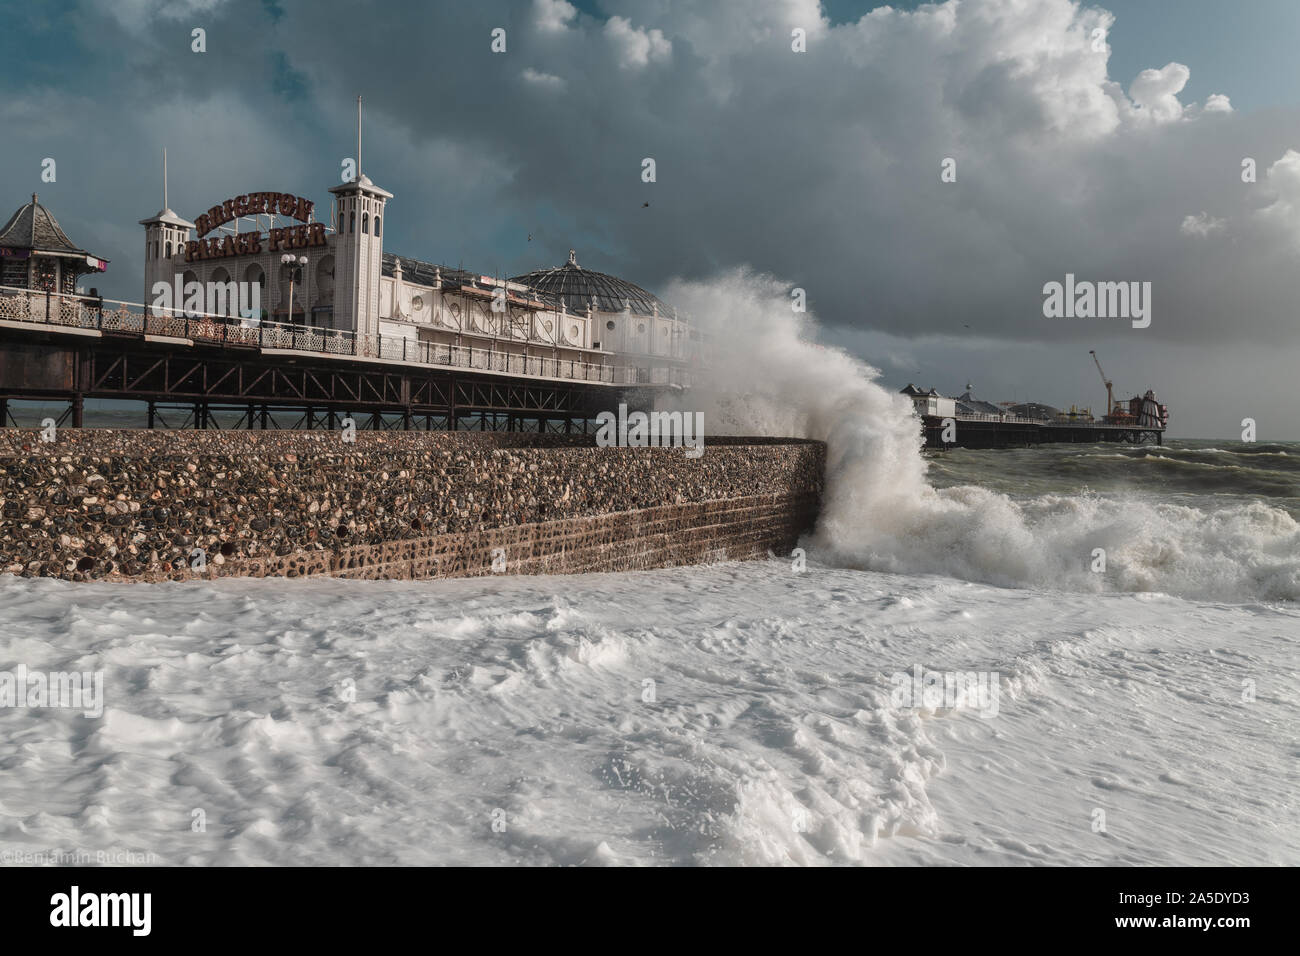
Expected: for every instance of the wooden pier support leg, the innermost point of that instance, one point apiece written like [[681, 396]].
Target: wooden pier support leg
[[78, 408], [264, 415], [406, 419], [4, 412], [252, 416], [153, 413], [308, 415]]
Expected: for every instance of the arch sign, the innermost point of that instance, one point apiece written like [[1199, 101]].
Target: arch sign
[[250, 243]]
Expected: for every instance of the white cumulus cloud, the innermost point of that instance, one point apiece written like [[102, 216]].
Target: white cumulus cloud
[[552, 16], [1201, 225], [540, 80], [1155, 92], [637, 46], [1283, 214]]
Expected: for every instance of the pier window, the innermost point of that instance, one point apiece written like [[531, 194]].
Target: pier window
[[376, 227], [352, 222], [365, 222]]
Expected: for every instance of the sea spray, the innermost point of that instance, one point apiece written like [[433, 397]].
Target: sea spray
[[769, 376]]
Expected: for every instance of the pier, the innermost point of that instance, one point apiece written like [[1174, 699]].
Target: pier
[[193, 370], [1011, 431]]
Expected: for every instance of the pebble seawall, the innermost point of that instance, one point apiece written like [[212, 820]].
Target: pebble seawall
[[105, 504]]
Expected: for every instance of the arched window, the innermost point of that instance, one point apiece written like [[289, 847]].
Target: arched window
[[323, 285], [352, 222], [376, 227], [229, 302], [365, 222], [169, 250], [256, 278]]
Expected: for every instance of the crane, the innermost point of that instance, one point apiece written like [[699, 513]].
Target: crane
[[1110, 401]]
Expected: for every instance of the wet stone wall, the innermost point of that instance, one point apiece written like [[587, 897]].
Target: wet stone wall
[[171, 505]]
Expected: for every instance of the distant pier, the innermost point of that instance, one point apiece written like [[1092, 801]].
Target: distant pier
[[958, 431]]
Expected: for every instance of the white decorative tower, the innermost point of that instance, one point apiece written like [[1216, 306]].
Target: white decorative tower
[[358, 249], [165, 235]]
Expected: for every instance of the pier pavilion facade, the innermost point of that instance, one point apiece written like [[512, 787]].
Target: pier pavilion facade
[[337, 326], [349, 283]]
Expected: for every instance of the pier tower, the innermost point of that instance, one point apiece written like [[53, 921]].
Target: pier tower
[[359, 254], [165, 234]]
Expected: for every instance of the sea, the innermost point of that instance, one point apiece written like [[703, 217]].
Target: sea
[[1066, 655]]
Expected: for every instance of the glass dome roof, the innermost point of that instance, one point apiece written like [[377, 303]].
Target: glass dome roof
[[577, 287]]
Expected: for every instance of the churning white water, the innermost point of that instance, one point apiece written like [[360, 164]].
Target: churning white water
[[881, 514], [736, 713]]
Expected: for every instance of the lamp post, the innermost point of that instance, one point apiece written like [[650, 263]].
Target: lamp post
[[295, 267]]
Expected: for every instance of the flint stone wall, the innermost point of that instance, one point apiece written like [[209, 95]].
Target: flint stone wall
[[135, 504]]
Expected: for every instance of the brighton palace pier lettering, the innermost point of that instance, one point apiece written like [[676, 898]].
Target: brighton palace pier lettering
[[250, 243], [255, 204]]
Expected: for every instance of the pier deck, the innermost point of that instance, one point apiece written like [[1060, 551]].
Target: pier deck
[[66, 348]]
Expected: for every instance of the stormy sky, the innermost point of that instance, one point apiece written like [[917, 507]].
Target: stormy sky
[[1105, 141]]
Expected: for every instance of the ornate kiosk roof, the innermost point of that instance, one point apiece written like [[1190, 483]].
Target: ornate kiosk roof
[[34, 227]]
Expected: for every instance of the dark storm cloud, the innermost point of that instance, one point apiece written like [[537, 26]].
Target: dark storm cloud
[[822, 167]]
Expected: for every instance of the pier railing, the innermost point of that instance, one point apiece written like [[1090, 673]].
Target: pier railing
[[112, 315]]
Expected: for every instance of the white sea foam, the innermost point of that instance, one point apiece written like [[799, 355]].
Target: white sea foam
[[326, 722]]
